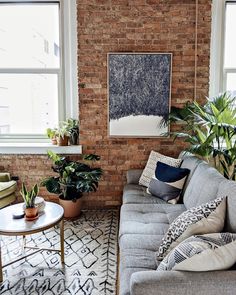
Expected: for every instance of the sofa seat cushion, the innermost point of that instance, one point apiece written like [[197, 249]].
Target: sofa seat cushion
[[140, 241], [125, 278], [136, 194], [148, 219], [138, 258], [131, 261], [7, 188]]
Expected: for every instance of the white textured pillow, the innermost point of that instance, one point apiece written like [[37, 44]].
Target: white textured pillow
[[208, 252], [149, 170], [203, 219]]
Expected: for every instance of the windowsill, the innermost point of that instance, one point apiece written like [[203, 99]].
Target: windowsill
[[38, 148]]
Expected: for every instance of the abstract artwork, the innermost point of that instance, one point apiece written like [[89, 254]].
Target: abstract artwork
[[139, 86]]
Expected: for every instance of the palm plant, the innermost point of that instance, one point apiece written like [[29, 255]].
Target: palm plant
[[74, 178], [210, 131]]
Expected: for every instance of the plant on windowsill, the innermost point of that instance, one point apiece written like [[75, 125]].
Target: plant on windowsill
[[31, 211], [62, 134], [51, 133], [74, 178], [210, 131], [73, 128]]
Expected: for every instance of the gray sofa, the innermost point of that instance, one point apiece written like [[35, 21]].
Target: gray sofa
[[144, 220]]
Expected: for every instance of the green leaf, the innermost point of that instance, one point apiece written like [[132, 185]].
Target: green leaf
[[91, 157], [53, 156], [52, 184]]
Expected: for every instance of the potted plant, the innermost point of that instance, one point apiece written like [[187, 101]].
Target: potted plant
[[210, 131], [31, 211], [73, 128], [51, 133], [62, 134], [74, 178]]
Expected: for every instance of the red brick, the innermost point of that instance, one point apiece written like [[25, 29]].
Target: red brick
[[126, 26]]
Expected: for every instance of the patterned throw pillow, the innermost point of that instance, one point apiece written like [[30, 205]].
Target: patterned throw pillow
[[202, 253], [149, 170], [203, 219], [168, 182]]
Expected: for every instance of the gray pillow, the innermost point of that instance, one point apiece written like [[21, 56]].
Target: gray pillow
[[168, 182]]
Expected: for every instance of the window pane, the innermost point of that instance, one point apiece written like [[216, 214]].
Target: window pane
[[28, 103], [29, 35], [231, 83], [230, 40]]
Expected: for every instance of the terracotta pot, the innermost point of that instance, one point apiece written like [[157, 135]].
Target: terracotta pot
[[54, 141], [63, 141], [71, 209], [31, 212]]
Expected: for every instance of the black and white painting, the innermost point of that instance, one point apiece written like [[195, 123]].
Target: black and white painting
[[139, 86]]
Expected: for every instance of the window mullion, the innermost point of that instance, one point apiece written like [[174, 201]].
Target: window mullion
[[29, 71]]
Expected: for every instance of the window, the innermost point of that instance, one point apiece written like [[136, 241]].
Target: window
[[229, 70], [35, 61], [223, 47]]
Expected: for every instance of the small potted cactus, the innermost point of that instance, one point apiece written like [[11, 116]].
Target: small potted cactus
[[31, 211]]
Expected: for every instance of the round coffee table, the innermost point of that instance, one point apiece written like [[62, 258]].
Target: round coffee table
[[52, 215]]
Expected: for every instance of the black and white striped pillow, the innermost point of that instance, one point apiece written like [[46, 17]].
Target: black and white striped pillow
[[206, 218], [209, 252]]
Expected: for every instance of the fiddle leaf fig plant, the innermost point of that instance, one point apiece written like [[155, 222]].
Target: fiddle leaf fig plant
[[210, 131], [73, 178]]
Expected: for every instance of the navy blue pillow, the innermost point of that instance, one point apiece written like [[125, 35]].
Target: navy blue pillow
[[168, 182]]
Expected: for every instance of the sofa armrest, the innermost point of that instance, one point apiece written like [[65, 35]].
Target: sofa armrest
[[133, 176], [4, 177], [184, 283]]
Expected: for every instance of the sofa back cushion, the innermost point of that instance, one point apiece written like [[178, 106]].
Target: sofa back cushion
[[203, 186], [189, 162], [228, 188]]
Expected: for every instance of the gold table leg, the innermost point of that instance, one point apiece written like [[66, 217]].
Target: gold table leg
[[37, 250], [1, 276], [24, 243], [62, 241]]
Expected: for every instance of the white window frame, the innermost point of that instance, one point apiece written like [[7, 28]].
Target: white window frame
[[218, 73], [67, 74]]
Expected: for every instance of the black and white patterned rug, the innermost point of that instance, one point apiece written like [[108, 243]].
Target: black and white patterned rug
[[90, 259]]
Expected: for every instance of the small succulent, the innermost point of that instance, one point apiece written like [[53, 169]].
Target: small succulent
[[29, 196]]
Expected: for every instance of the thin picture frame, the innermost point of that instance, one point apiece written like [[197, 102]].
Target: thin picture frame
[[111, 83]]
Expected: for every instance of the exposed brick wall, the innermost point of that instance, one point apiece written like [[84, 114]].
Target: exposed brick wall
[[129, 26]]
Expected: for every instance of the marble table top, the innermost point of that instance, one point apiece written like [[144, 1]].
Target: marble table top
[[53, 214]]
